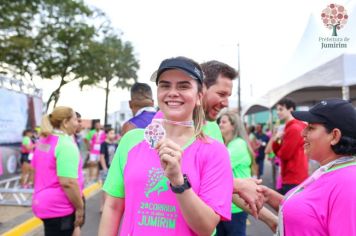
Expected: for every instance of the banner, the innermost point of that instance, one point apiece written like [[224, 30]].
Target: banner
[[38, 108], [13, 115]]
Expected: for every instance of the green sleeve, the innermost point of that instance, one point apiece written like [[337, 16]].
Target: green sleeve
[[90, 134], [114, 183], [26, 140], [212, 129], [67, 157], [240, 158]]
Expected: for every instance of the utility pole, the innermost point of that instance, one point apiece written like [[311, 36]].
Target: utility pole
[[238, 81]]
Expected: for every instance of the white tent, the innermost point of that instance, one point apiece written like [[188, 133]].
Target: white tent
[[319, 73]]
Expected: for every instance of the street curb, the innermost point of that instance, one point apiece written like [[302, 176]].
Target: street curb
[[33, 223]]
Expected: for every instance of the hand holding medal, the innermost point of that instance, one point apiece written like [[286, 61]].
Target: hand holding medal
[[154, 132]]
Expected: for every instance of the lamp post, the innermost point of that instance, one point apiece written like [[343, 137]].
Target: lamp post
[[238, 81]]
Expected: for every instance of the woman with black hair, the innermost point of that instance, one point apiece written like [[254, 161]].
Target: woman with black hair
[[325, 203]]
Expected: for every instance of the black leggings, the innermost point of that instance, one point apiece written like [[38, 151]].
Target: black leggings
[[60, 226]]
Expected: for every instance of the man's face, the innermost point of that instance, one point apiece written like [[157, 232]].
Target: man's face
[[283, 113], [79, 127], [216, 97]]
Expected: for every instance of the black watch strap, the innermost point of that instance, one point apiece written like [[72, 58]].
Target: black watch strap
[[183, 187]]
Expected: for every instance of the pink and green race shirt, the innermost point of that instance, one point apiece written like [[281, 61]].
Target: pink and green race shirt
[[54, 156], [151, 208]]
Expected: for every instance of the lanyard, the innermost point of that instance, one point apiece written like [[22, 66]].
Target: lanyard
[[58, 131], [316, 175], [188, 123]]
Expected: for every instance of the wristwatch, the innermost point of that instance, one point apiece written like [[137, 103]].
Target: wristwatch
[[183, 187]]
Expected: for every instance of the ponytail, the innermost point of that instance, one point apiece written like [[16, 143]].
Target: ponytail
[[46, 127]]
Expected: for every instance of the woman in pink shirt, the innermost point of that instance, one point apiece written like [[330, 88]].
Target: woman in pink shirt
[[179, 185], [57, 198], [325, 203]]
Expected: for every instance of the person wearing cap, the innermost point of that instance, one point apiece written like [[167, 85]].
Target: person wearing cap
[[288, 146], [217, 88], [141, 105], [181, 185], [325, 203]]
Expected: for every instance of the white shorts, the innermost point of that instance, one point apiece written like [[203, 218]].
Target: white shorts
[[94, 157]]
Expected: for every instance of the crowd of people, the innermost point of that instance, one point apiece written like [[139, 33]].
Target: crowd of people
[[192, 167]]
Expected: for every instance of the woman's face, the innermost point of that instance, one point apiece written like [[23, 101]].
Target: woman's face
[[177, 95], [225, 126], [317, 142], [70, 125]]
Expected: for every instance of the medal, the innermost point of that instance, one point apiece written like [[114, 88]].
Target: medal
[[153, 133]]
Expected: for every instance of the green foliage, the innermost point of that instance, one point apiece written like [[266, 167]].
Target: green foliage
[[55, 39], [16, 35], [109, 61]]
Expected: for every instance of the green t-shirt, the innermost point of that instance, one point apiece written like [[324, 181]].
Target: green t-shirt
[[26, 140], [67, 157], [240, 162], [212, 129], [90, 134]]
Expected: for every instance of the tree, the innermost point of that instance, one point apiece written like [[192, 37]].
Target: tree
[[44, 38], [334, 17], [17, 37], [62, 37], [109, 61]]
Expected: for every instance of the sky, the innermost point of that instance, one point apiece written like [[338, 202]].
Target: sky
[[267, 32]]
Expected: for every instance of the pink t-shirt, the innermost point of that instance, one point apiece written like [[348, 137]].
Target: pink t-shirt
[[95, 142], [326, 207], [54, 156], [151, 208]]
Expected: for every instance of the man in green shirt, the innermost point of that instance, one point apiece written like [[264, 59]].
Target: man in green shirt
[[218, 78], [217, 83]]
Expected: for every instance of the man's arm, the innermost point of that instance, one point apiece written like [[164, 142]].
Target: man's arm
[[290, 143], [250, 192], [265, 215], [127, 127]]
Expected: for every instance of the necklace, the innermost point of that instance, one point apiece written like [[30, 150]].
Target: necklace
[[58, 131], [188, 123]]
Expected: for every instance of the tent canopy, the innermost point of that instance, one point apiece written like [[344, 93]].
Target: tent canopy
[[317, 73]]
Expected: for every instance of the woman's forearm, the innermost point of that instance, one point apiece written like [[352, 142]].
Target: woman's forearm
[[274, 198], [265, 215], [71, 188], [269, 218], [199, 216]]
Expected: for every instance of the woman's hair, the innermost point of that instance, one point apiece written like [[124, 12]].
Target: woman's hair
[[235, 120], [198, 112], [55, 119], [345, 146], [199, 116], [107, 130], [239, 130], [26, 131]]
